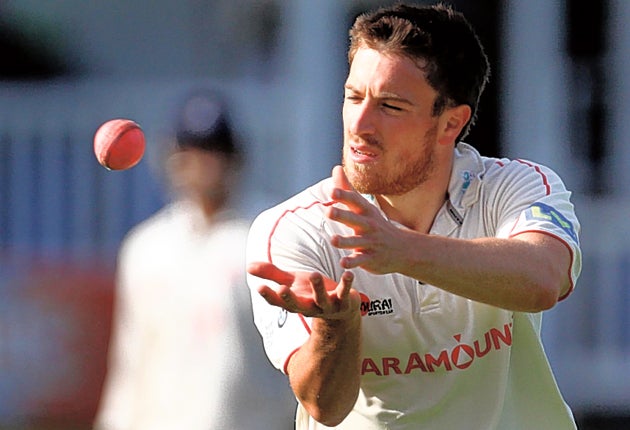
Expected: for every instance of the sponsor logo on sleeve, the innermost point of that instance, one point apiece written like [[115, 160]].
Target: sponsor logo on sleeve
[[543, 212]]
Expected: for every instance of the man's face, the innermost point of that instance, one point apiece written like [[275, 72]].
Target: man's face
[[198, 174], [390, 134]]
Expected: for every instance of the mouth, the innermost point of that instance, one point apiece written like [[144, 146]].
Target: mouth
[[362, 154]]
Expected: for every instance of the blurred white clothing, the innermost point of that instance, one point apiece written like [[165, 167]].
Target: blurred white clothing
[[184, 352]]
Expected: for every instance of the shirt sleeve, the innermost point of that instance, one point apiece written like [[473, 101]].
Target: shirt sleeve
[[538, 201], [283, 240]]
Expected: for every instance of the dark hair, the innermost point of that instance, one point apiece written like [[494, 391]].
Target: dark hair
[[437, 38], [203, 122]]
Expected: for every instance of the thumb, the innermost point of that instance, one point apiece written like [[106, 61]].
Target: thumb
[[271, 272], [340, 180]]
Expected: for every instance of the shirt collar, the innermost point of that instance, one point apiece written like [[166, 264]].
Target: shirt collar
[[468, 170], [464, 185]]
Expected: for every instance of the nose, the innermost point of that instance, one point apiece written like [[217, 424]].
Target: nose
[[359, 118]]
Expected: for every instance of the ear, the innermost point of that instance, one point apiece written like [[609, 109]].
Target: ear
[[452, 121]]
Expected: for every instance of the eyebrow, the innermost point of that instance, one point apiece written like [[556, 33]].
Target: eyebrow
[[385, 95]]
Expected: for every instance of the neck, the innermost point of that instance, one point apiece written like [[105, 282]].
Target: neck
[[414, 211], [417, 208], [206, 208]]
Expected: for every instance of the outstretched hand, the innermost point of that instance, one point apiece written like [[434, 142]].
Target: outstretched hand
[[308, 293], [376, 244]]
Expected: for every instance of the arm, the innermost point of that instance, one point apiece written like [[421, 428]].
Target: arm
[[325, 372], [528, 272]]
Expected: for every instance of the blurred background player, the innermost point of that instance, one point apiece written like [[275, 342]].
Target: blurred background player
[[184, 353]]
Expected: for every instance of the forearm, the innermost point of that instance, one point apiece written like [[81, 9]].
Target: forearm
[[325, 372], [527, 273]]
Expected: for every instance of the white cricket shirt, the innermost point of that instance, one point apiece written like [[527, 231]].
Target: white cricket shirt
[[184, 352], [431, 359]]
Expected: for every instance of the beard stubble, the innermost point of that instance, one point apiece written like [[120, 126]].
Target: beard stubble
[[403, 175]]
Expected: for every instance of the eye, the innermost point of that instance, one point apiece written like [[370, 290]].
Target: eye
[[352, 97], [392, 107]]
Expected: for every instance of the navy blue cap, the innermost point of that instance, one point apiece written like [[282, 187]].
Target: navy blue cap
[[203, 123]]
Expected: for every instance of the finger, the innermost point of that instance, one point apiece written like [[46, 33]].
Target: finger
[[270, 296], [283, 297], [354, 260], [271, 272], [348, 242], [344, 193], [340, 180], [347, 278], [305, 305], [354, 201], [356, 221], [319, 290]]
